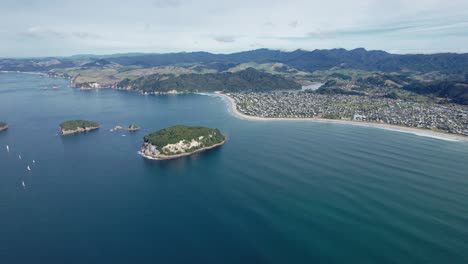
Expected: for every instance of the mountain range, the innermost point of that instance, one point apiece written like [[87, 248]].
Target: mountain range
[[373, 60], [443, 76]]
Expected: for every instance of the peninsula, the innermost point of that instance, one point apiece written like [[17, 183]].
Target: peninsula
[[3, 126], [77, 126], [178, 141], [249, 79]]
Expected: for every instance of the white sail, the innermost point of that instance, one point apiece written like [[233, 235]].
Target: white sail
[[19, 156], [24, 185], [29, 169], [7, 148]]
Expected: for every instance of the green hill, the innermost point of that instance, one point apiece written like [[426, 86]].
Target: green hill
[[246, 80]]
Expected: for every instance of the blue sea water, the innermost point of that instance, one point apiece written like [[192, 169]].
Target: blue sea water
[[276, 192]]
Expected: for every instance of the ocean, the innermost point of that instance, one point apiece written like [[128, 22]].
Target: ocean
[[276, 192]]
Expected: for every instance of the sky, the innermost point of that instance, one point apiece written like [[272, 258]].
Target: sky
[[63, 28]]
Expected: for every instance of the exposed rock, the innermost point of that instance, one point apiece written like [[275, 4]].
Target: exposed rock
[[3, 127], [78, 130]]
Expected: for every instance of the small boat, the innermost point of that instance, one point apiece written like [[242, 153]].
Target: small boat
[[24, 185], [34, 162], [29, 169], [7, 148], [19, 156]]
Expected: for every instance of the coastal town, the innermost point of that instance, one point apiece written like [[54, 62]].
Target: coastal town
[[441, 118]]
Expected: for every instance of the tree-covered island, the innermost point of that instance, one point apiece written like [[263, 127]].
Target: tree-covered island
[[179, 141], [77, 126], [3, 126]]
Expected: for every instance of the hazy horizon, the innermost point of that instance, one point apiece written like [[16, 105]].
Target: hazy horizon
[[217, 53]]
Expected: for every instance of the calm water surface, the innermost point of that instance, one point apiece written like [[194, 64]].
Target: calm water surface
[[277, 192]]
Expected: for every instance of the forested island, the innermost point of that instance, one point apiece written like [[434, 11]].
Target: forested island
[[3, 126], [246, 80], [77, 126], [179, 141]]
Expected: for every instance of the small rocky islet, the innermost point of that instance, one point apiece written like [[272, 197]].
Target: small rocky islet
[[179, 141], [131, 128], [3, 126], [77, 126]]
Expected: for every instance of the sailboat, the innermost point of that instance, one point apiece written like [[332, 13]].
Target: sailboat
[[7, 148], [19, 156], [34, 162], [29, 169], [24, 185]]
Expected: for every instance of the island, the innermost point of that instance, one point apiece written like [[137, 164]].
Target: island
[[3, 126], [77, 126], [179, 141], [131, 128]]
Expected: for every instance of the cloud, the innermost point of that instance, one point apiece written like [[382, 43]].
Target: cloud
[[293, 24], [412, 28], [225, 39], [166, 3], [38, 32], [85, 35], [108, 26]]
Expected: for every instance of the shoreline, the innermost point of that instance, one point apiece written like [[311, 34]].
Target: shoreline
[[235, 112], [411, 130], [180, 155], [65, 132]]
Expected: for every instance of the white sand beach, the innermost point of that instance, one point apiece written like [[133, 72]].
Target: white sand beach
[[411, 130]]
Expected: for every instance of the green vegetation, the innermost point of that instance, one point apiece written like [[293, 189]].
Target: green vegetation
[[456, 92], [340, 76], [435, 129], [332, 90], [172, 135], [246, 80], [434, 78], [77, 124], [331, 116]]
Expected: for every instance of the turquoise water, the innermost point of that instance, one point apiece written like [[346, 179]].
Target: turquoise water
[[276, 192]]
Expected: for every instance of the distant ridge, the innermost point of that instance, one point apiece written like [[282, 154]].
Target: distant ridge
[[373, 60], [313, 60]]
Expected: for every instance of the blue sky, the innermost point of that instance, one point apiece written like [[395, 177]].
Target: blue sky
[[61, 28]]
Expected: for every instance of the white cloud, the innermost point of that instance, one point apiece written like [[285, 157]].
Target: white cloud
[[293, 23], [225, 39], [110, 26], [40, 32]]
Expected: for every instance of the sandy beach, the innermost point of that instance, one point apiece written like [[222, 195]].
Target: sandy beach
[[411, 130]]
